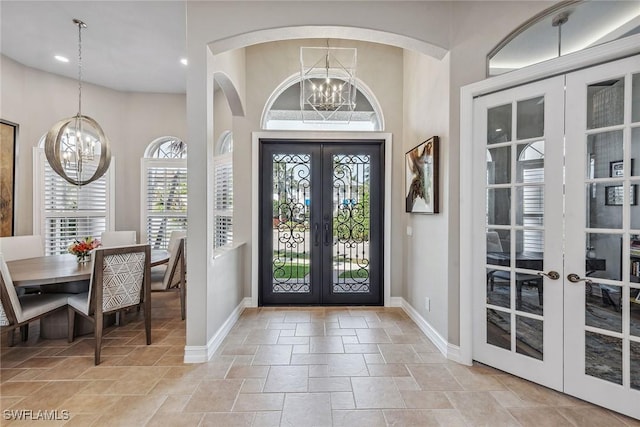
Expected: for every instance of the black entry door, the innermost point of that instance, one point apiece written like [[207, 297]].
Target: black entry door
[[321, 223]]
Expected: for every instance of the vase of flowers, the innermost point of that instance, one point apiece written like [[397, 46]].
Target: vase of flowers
[[82, 248]]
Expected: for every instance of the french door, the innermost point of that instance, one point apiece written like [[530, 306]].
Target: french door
[[321, 223], [560, 301]]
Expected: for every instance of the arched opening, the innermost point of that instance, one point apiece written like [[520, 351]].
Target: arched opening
[[282, 111]]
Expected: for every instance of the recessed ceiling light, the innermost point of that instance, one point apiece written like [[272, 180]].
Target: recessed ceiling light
[[184, 61], [61, 58]]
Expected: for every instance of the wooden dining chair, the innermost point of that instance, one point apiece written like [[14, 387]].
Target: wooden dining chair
[[18, 311], [174, 276], [21, 247], [120, 280], [110, 239]]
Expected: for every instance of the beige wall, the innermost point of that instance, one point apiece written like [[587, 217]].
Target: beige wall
[[36, 100], [426, 113]]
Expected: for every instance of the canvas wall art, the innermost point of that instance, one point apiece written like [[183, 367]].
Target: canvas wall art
[[421, 170], [7, 177]]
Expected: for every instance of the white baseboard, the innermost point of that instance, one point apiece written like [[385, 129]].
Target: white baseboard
[[450, 351], [202, 353]]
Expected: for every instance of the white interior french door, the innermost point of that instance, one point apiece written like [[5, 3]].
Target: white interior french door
[[602, 306], [557, 173], [518, 146]]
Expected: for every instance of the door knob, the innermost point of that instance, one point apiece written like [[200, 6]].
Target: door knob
[[553, 275], [574, 278]]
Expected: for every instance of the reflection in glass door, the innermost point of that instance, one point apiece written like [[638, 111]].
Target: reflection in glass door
[[518, 310], [321, 223], [602, 314]]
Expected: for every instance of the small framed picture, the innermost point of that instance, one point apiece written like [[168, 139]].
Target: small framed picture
[[614, 195], [616, 169]]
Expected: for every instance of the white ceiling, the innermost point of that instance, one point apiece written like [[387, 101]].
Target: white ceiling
[[127, 45]]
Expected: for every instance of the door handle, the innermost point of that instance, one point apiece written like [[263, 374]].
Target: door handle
[[326, 234], [316, 234], [574, 278], [553, 275]]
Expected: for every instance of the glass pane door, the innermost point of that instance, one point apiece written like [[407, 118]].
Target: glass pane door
[[518, 311], [602, 314]]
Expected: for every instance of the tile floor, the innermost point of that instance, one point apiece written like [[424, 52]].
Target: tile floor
[[278, 367]]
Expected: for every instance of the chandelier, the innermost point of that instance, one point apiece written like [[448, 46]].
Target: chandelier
[[327, 83], [71, 145]]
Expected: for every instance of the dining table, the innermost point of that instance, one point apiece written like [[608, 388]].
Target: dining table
[[56, 269], [58, 272]]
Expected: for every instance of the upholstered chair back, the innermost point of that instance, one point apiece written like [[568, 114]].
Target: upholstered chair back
[[21, 247], [9, 300], [111, 239]]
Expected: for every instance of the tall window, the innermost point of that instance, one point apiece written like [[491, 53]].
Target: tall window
[[223, 191], [164, 190], [65, 212]]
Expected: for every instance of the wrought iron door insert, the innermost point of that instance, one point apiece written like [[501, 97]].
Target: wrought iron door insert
[[321, 223]]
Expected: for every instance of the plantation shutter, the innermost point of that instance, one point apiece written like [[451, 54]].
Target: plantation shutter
[[223, 200], [164, 193], [533, 209], [64, 212]]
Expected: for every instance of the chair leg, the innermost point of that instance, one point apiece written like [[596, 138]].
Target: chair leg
[[10, 335], [183, 297], [71, 324], [98, 335], [147, 320], [24, 332]]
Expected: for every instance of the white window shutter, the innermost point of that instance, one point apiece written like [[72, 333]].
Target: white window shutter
[[164, 199], [223, 200], [65, 212]]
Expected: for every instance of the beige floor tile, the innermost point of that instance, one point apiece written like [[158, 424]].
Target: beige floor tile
[[90, 403], [374, 359], [267, 419], [539, 417], [20, 388], [388, 370], [329, 384], [399, 353], [337, 332], [287, 379], [425, 399], [131, 411], [410, 417], [318, 371], [406, 383], [590, 417], [347, 365], [279, 354], [372, 336], [352, 322], [358, 418], [449, 418], [214, 396], [175, 419], [326, 345], [252, 385], [262, 337], [239, 349], [537, 394], [376, 393], [167, 386], [310, 330], [434, 377], [342, 400], [309, 359], [480, 408], [293, 340], [224, 419], [297, 316], [361, 348], [82, 420], [306, 409], [247, 372], [174, 403], [259, 402], [348, 340]]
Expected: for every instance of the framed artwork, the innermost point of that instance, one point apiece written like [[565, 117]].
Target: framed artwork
[[616, 169], [8, 132], [614, 195], [421, 177]]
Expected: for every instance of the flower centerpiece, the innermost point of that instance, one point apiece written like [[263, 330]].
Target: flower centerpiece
[[82, 248]]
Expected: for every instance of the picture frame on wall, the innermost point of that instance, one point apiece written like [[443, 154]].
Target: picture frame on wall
[[8, 133], [422, 177], [616, 168], [614, 195]]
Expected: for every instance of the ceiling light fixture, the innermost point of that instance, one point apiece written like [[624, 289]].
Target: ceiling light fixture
[[327, 83], [71, 144], [61, 58], [184, 61]]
